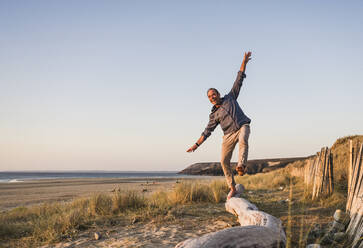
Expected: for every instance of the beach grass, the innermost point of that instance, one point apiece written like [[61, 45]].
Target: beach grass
[[49, 223], [272, 180]]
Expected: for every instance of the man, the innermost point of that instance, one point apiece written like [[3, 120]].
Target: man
[[234, 123]]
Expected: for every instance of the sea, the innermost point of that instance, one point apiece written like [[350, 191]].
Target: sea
[[21, 176]]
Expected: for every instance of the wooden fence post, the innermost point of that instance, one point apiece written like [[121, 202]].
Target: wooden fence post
[[323, 174], [355, 198], [331, 175], [350, 167], [355, 177]]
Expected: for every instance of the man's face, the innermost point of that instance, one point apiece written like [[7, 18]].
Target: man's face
[[214, 97]]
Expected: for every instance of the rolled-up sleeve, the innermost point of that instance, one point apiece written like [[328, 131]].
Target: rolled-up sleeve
[[212, 124]]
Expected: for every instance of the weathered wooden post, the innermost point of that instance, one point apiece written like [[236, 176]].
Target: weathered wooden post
[[313, 169], [328, 182], [355, 199], [323, 182], [351, 159], [310, 170], [318, 175], [315, 175], [306, 172], [331, 174], [356, 174]]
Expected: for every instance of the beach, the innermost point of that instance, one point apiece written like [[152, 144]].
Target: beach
[[26, 193], [183, 223], [179, 212]]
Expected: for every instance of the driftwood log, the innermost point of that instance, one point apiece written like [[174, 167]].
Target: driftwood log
[[258, 229], [248, 214], [237, 237]]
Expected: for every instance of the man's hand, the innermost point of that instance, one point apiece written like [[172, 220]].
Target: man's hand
[[246, 58], [192, 148]]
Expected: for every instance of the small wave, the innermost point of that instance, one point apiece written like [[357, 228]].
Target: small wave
[[15, 181]]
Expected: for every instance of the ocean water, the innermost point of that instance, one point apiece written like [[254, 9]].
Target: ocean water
[[19, 176]]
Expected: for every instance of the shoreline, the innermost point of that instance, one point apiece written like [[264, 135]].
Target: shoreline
[[20, 176]]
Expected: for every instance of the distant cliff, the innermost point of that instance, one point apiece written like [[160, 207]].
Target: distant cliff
[[253, 166]]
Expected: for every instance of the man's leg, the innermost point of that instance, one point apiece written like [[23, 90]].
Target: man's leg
[[243, 136], [229, 142]]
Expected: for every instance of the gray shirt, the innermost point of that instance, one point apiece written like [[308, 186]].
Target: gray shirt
[[229, 114]]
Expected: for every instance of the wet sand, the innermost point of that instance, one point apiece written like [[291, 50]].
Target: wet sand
[[27, 193]]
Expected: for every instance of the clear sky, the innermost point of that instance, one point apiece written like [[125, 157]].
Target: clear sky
[[121, 85]]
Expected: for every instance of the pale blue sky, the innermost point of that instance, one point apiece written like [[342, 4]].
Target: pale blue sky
[[121, 85]]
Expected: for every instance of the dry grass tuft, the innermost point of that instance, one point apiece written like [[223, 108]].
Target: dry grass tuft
[[219, 190], [127, 200], [192, 192], [100, 204], [267, 181], [187, 192]]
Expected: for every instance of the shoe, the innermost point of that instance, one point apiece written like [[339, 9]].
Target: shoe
[[240, 170]]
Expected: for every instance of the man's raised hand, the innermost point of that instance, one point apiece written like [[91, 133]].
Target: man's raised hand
[[246, 58]]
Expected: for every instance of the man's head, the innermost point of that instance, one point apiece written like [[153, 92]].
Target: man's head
[[214, 96]]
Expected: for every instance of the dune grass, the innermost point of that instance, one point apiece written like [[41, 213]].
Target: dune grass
[[268, 181], [49, 223]]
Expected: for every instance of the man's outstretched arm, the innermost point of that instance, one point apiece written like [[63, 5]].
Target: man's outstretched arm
[[241, 75], [212, 124]]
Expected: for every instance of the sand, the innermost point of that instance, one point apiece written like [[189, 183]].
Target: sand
[[55, 190], [147, 235]]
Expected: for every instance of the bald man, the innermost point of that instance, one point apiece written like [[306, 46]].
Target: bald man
[[234, 123]]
